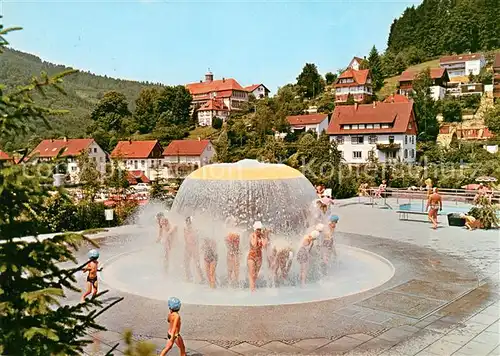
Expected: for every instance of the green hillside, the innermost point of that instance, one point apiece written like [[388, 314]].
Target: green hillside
[[83, 90]]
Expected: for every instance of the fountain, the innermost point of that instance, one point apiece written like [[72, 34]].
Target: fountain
[[275, 194]]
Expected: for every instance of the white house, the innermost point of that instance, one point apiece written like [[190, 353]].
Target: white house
[[462, 65], [386, 130], [211, 109], [70, 149], [140, 157], [181, 157], [355, 63], [439, 77], [258, 90], [312, 122]]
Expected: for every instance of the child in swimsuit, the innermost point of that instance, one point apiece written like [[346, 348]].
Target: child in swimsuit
[[210, 256], [233, 252], [174, 328], [254, 259], [167, 232], [191, 251], [282, 257], [92, 269], [304, 254]]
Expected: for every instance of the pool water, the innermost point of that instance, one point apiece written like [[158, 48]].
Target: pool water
[[462, 208]]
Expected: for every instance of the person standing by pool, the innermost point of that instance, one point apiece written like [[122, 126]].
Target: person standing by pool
[[233, 251], [254, 258], [304, 255], [191, 250], [211, 257], [434, 205]]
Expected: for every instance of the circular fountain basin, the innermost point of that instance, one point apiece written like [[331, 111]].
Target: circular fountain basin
[[142, 273]]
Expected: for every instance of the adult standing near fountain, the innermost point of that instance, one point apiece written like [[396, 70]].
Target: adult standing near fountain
[[233, 251], [254, 259], [191, 251], [434, 205]]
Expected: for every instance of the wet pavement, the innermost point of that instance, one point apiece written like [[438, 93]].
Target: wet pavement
[[443, 300]]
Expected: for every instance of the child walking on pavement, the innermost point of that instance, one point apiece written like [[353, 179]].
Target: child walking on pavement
[[174, 328], [92, 269]]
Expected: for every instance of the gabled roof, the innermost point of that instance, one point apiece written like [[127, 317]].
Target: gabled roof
[[252, 87], [460, 58], [496, 62], [214, 86], [312, 119], [213, 105], [134, 177], [436, 73], [4, 156], [359, 76], [397, 114], [357, 59], [134, 149], [72, 147], [186, 147], [396, 98]]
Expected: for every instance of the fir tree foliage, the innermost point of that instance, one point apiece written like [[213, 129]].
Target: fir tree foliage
[[32, 282]]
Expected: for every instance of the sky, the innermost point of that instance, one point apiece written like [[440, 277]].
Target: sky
[[176, 42]]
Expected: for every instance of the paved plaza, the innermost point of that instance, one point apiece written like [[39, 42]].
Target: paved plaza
[[444, 299]]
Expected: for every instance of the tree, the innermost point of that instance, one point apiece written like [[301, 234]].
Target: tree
[[116, 176], [110, 111], [330, 78], [451, 110], [32, 280], [375, 66], [217, 123], [310, 81], [222, 147], [88, 176], [492, 119], [425, 107], [173, 106], [145, 115]]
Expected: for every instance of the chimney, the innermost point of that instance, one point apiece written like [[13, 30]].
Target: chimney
[[65, 139], [375, 103], [355, 106], [223, 80]]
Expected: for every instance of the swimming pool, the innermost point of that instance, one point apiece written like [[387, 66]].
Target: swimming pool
[[461, 208]]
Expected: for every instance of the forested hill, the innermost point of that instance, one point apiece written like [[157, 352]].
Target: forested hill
[[438, 27], [83, 90]]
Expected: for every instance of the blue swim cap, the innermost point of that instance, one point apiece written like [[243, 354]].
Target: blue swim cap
[[93, 255], [334, 218], [174, 304]]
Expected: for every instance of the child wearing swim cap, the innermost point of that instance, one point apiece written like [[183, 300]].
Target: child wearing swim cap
[[92, 267], [174, 328]]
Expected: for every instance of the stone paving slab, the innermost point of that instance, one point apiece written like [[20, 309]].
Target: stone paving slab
[[314, 344], [248, 349]]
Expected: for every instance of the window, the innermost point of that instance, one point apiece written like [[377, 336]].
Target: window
[[412, 153], [409, 126], [356, 154], [391, 139], [369, 126], [340, 140], [406, 140], [372, 139], [355, 127], [385, 126], [101, 159], [406, 153], [73, 169], [362, 126], [135, 164], [376, 126], [142, 163], [390, 155], [347, 127], [357, 140], [95, 150]]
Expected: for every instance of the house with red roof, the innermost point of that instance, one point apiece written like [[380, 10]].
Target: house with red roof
[[354, 81], [145, 157], [227, 90], [461, 65], [184, 156], [439, 78], [211, 109], [386, 131], [313, 122], [260, 91], [70, 149]]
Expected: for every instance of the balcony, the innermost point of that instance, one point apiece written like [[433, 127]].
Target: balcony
[[388, 147]]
